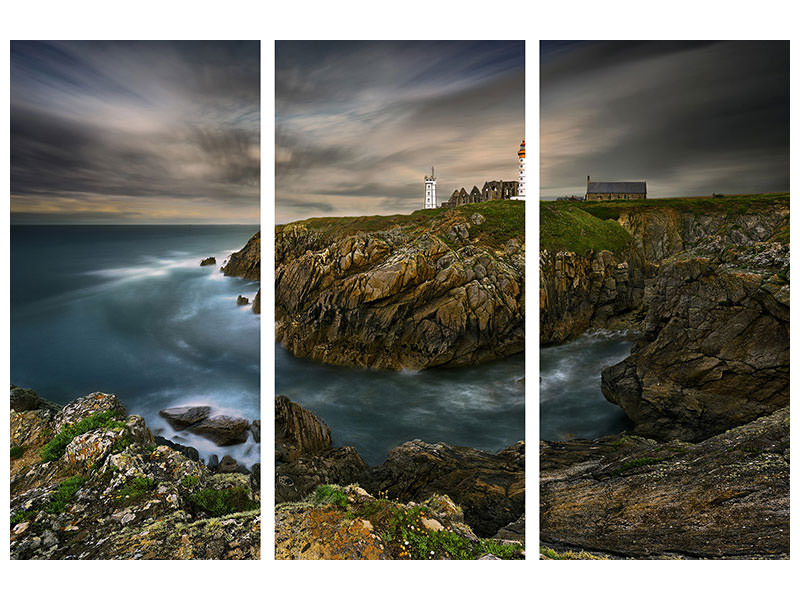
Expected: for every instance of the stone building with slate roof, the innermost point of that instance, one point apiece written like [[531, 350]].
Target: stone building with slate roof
[[615, 190]]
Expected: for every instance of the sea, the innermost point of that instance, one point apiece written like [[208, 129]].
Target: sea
[[128, 310], [571, 404], [481, 407]]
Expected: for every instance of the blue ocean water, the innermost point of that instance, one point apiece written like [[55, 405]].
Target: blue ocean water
[[128, 310], [571, 404], [482, 407]]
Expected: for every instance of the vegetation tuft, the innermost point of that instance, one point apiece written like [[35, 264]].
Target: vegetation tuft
[[133, 491], [218, 503], [328, 494], [638, 462], [64, 494], [17, 452], [54, 449]]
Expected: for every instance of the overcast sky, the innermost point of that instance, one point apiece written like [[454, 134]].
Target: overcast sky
[[359, 124], [690, 118], [135, 132]]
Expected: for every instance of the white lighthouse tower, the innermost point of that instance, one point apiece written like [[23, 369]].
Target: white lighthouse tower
[[521, 188], [430, 191]]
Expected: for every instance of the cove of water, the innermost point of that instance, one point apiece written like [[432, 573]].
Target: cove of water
[[128, 310], [481, 407], [571, 404]]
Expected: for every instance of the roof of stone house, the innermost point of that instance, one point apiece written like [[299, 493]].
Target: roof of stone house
[[617, 187]]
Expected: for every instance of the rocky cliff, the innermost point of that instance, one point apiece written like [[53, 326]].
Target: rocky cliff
[[706, 282], [434, 288], [246, 263], [488, 489], [90, 482], [726, 497]]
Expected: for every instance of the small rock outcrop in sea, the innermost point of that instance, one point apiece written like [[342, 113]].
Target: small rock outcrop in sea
[[90, 482], [490, 488], [206, 262], [409, 291], [725, 497], [242, 301], [349, 523]]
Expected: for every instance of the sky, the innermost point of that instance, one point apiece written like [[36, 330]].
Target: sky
[[358, 125], [690, 118], [135, 132]]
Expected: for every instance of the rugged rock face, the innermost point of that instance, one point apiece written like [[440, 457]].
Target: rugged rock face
[[489, 487], [632, 497], [577, 291], [87, 482], [716, 348], [246, 263], [440, 292]]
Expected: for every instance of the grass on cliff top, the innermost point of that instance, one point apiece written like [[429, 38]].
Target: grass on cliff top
[[565, 226], [505, 219], [738, 204]]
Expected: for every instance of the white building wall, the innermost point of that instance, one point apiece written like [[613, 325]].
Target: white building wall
[[430, 192]]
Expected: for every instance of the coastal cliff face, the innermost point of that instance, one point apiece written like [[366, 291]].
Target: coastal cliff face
[[488, 489], [90, 482], [726, 497], [435, 288], [713, 307], [246, 263]]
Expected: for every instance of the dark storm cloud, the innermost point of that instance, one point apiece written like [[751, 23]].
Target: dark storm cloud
[[692, 118], [135, 131], [359, 124]]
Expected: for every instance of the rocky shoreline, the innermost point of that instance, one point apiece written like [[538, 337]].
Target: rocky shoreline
[[486, 491], [89, 481], [706, 385]]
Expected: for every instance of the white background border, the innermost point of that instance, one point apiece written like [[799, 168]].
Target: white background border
[[411, 19]]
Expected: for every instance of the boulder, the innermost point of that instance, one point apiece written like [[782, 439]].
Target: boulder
[[255, 429], [228, 465], [223, 430], [181, 417], [242, 301], [206, 262], [297, 431]]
